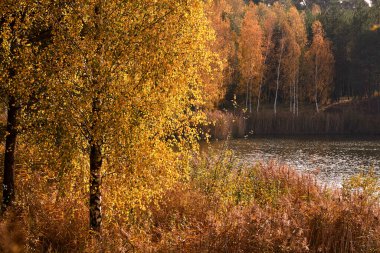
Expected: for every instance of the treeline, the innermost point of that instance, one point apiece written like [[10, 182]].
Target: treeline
[[354, 30], [280, 53]]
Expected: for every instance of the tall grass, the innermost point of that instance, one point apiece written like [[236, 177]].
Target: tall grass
[[224, 206], [225, 124], [267, 208], [308, 122]]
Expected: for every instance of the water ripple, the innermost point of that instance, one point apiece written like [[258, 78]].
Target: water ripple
[[335, 158]]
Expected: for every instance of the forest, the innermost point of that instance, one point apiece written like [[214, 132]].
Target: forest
[[313, 54], [286, 62], [104, 106]]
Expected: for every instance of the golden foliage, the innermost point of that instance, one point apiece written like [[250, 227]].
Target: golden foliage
[[250, 52], [143, 71], [319, 65]]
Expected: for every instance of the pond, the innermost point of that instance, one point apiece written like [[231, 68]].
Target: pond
[[331, 158]]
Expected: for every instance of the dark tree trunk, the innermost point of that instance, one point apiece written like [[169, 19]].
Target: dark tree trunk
[[96, 161], [9, 156], [95, 194]]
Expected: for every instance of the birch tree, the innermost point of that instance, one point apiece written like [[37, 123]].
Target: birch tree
[[268, 21], [25, 33], [320, 66], [128, 82], [223, 48], [281, 31], [250, 54], [296, 39]]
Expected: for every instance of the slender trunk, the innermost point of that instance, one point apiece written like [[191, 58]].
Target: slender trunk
[[294, 96], [315, 83], [250, 96], [96, 158], [297, 90], [9, 156], [95, 194], [258, 100], [96, 161], [278, 78], [290, 98], [262, 75], [246, 96]]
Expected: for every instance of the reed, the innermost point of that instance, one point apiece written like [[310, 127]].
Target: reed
[[225, 124], [267, 208], [308, 122]]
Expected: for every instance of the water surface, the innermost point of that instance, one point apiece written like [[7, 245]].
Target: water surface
[[331, 158]]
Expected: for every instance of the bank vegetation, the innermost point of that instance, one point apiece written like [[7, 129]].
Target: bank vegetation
[[223, 206]]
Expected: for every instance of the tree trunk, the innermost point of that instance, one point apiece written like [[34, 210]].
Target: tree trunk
[[96, 161], [262, 74], [258, 99], [9, 156], [297, 97], [290, 98], [316, 85], [294, 96], [95, 194], [250, 96], [246, 96], [278, 78]]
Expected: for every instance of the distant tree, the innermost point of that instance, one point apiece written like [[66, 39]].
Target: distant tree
[[237, 14], [364, 50], [268, 20], [296, 41], [235, 17], [337, 23], [223, 46], [282, 30], [250, 54], [320, 65]]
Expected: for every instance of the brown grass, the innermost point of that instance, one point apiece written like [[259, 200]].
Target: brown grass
[[352, 119], [223, 125], [296, 216], [224, 207]]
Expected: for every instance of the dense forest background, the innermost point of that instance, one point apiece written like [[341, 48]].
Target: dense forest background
[[319, 51], [284, 62]]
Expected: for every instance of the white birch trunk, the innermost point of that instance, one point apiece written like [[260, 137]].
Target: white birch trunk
[[278, 77]]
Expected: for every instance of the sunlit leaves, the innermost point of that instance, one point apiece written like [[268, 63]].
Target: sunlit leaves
[[142, 61], [320, 62]]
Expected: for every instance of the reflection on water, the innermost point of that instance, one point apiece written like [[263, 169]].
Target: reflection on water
[[336, 158]]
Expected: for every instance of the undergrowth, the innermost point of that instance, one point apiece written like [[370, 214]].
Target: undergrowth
[[224, 206]]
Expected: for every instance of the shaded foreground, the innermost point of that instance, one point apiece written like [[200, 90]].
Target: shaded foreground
[[221, 207]]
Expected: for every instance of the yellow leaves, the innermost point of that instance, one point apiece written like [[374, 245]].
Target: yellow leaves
[[364, 185], [146, 69], [375, 27], [319, 67], [250, 48], [143, 62]]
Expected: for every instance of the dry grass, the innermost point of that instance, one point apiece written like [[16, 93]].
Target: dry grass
[[283, 212], [225, 124], [224, 207], [355, 118]]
